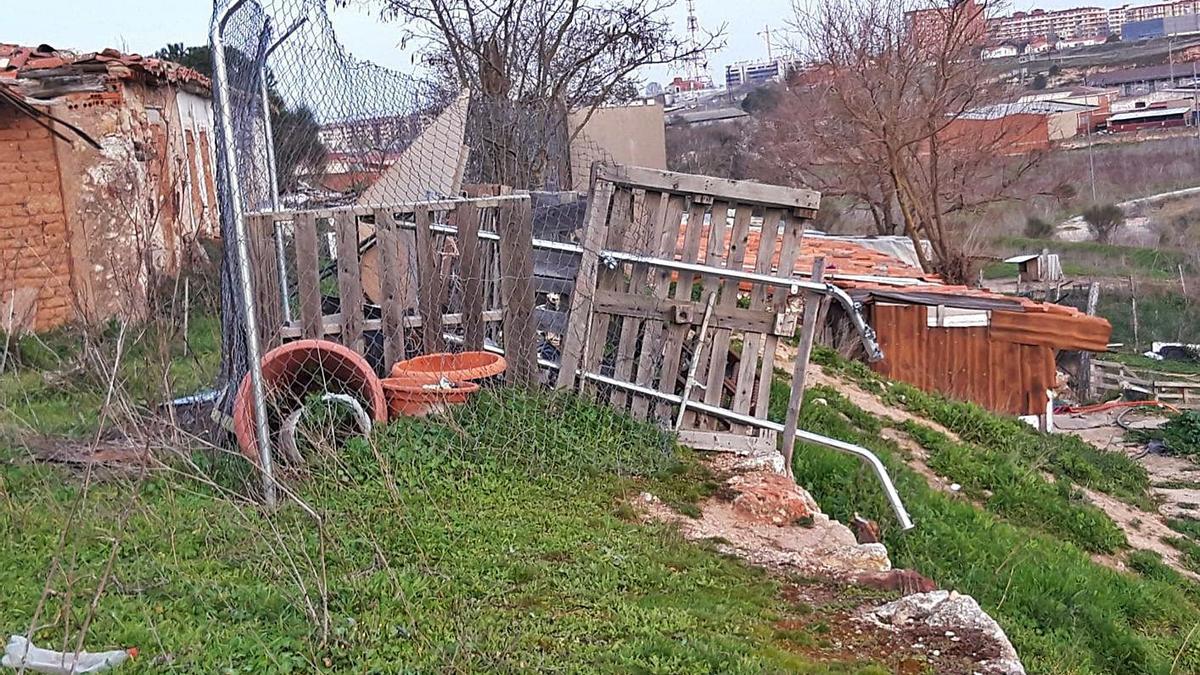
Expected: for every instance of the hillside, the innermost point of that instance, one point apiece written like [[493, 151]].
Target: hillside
[[508, 538]]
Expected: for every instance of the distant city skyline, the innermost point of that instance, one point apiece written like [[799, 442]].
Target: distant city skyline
[[144, 26]]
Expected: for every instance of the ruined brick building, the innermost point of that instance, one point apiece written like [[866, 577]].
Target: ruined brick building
[[106, 182]]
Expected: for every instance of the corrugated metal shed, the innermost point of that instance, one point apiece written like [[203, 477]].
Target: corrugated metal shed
[[968, 363]]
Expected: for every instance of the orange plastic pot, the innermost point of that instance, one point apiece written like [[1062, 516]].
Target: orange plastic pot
[[294, 371], [460, 367], [413, 398]]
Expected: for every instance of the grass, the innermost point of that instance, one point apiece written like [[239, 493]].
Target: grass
[[1163, 316], [1140, 362], [1064, 612], [51, 389], [1064, 456], [494, 542], [1094, 259]]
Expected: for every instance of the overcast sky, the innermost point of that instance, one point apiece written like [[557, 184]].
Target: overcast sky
[[145, 25]]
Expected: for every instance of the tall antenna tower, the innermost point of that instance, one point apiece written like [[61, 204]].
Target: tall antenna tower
[[697, 61]]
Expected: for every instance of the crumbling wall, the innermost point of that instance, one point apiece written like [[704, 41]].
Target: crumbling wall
[[136, 206], [34, 265]]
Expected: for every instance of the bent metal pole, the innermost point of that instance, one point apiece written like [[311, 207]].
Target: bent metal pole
[[250, 323]]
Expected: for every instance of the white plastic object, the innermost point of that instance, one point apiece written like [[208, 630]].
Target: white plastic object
[[20, 653]]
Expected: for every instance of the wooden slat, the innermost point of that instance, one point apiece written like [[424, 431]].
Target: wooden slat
[[753, 343], [724, 441], [677, 334], [269, 311], [595, 232], [350, 293], [714, 255], [308, 279], [471, 271], [607, 280], [429, 285], [664, 310], [812, 307], [637, 238], [729, 296], [789, 250], [392, 309], [516, 268], [717, 188], [664, 231]]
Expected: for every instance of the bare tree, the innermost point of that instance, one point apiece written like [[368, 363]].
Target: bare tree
[[534, 61], [898, 112]]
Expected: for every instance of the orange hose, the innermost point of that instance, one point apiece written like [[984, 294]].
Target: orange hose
[[1101, 407]]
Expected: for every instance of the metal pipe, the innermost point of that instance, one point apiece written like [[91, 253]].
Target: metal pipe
[[866, 455], [691, 374], [245, 278], [853, 309], [273, 170]]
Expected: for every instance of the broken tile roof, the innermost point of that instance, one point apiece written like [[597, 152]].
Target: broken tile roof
[[865, 272], [34, 69]]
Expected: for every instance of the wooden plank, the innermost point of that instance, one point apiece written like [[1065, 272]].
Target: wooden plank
[[350, 295], [724, 441], [735, 259], [308, 279], [607, 280], [752, 343], [638, 239], [717, 188], [789, 251], [812, 306], [516, 268], [595, 232], [428, 287], [662, 234], [269, 310], [715, 254], [677, 334], [667, 309], [470, 269], [391, 308]]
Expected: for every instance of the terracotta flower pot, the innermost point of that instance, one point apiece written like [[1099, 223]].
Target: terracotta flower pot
[[460, 367], [297, 369], [414, 398]]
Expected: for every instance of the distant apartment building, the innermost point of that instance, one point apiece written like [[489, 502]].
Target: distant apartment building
[[1083, 22], [754, 73], [968, 17]]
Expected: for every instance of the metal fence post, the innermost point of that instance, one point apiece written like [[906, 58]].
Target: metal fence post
[[225, 111], [273, 169]]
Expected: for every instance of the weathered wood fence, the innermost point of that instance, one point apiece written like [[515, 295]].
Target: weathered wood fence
[[1111, 378], [392, 281]]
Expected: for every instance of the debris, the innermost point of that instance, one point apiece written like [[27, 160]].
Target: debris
[[297, 369], [287, 433], [20, 654], [865, 531]]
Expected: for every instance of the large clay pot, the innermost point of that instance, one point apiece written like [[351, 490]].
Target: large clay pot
[[413, 398], [297, 369], [460, 367]]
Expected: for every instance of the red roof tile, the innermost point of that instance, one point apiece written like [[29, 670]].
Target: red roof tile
[[21, 62]]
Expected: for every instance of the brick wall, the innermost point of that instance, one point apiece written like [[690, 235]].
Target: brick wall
[[35, 275]]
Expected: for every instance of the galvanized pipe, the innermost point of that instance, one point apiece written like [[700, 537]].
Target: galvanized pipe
[[853, 309], [273, 171], [816, 439], [245, 278]]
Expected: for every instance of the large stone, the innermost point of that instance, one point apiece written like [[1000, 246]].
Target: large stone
[[948, 610], [771, 498]]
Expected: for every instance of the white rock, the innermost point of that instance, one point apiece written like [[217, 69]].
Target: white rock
[[953, 612]]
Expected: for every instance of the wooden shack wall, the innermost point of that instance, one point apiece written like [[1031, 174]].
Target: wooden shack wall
[[969, 363]]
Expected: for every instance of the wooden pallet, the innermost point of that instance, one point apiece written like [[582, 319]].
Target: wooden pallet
[[637, 322]]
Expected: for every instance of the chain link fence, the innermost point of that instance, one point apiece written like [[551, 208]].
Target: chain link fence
[[339, 151]]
